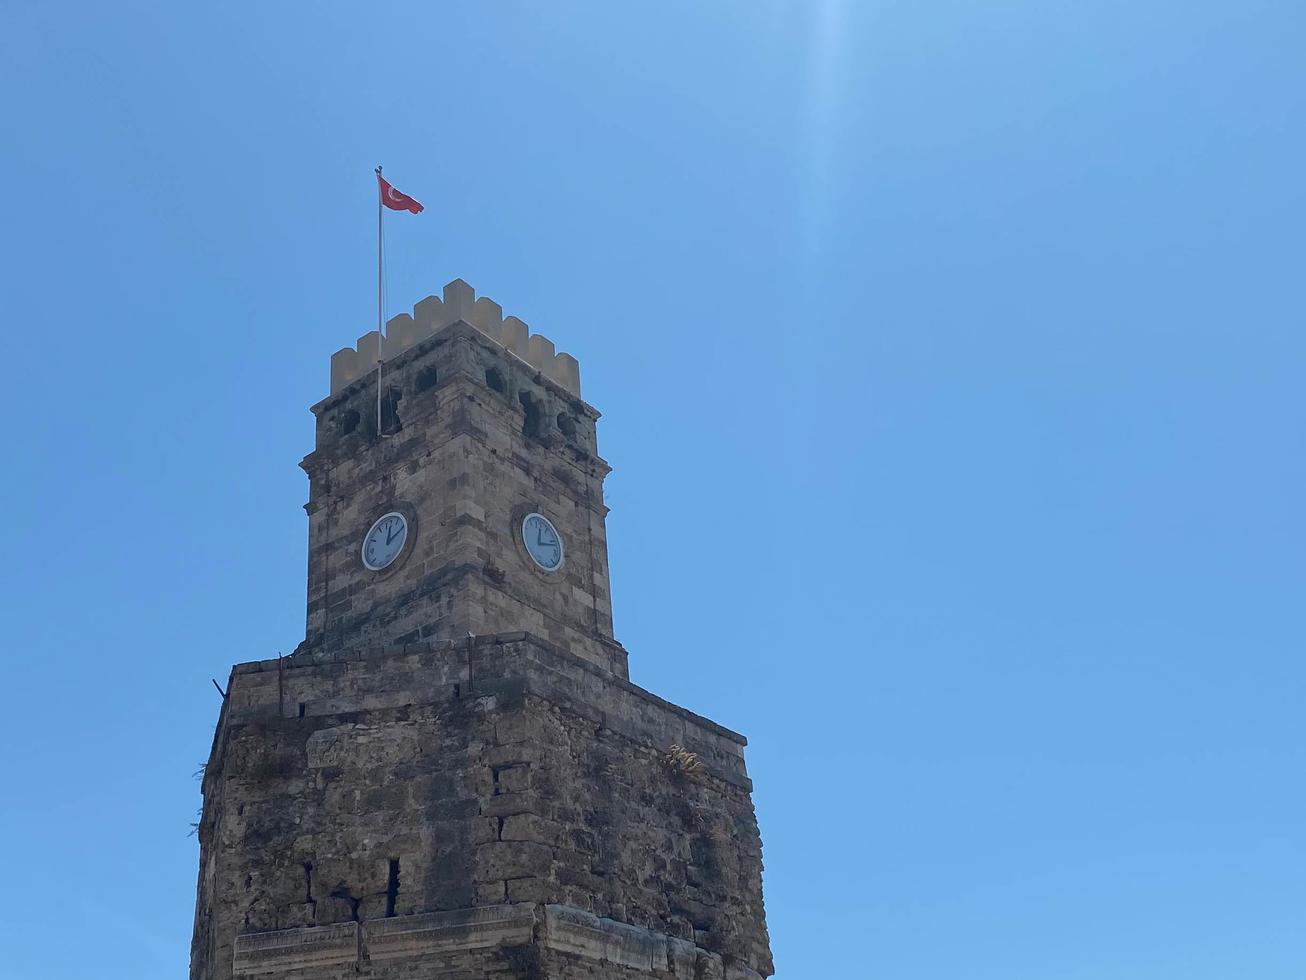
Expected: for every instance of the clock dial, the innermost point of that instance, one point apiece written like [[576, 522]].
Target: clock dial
[[543, 542], [385, 541]]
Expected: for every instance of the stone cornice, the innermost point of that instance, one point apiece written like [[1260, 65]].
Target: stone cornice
[[557, 930]]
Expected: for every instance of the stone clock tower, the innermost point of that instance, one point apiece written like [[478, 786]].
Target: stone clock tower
[[452, 776]]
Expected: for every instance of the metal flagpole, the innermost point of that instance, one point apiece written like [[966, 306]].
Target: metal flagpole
[[380, 316]]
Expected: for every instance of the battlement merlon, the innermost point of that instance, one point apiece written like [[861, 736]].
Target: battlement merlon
[[432, 315]]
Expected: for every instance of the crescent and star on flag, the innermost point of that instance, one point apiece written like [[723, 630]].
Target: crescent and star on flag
[[396, 200]]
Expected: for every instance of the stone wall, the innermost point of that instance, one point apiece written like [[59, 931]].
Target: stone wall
[[362, 808]]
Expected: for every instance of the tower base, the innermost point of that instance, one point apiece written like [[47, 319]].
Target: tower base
[[490, 807]]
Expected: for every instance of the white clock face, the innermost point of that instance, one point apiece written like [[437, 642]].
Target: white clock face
[[543, 542], [385, 541]]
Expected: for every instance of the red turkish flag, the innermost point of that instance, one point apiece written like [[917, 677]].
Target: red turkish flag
[[396, 200]]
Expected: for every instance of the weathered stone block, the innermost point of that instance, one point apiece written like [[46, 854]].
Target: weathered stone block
[[529, 827], [529, 890], [510, 804], [502, 860]]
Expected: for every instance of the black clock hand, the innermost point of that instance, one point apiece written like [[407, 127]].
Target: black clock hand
[[390, 533]]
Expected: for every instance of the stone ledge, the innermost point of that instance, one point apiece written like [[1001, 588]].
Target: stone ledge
[[566, 930], [571, 930], [296, 949], [442, 932], [575, 932]]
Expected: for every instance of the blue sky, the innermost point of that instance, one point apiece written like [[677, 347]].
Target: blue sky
[[951, 360]]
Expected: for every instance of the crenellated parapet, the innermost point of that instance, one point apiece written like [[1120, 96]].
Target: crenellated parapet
[[432, 315]]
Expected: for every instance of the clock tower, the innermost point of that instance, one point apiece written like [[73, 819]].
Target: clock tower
[[453, 776], [483, 437]]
